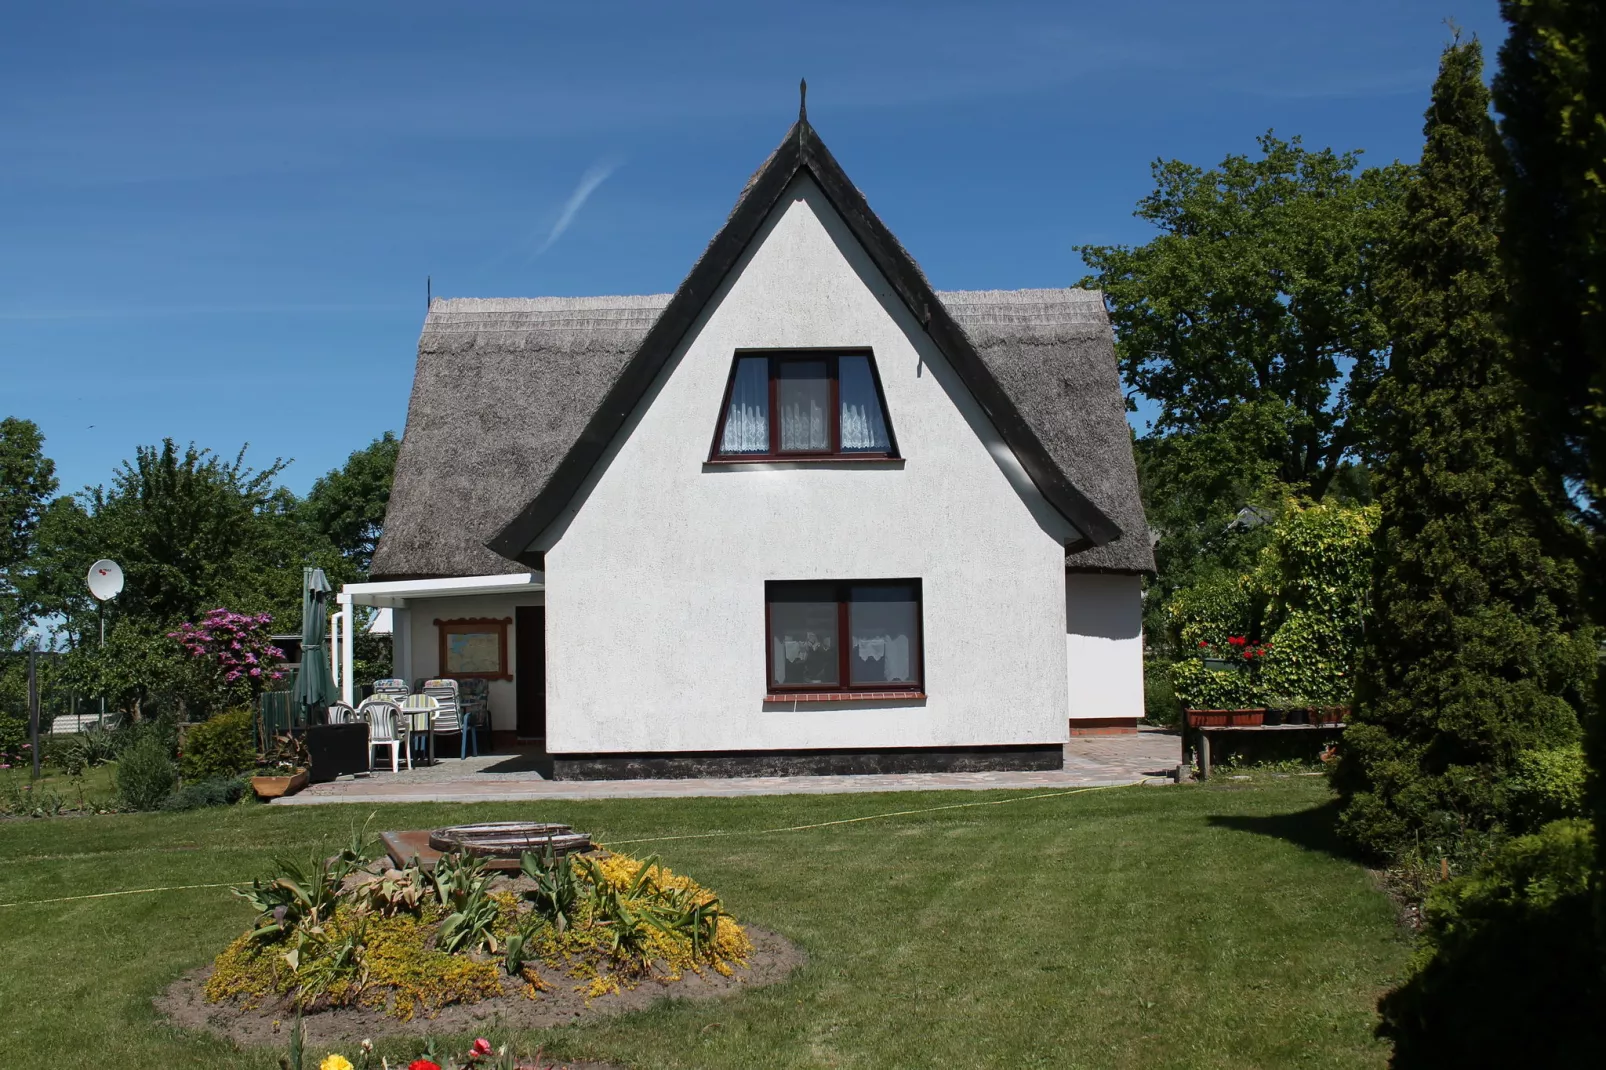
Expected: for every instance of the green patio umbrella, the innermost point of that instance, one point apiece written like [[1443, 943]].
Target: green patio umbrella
[[315, 685]]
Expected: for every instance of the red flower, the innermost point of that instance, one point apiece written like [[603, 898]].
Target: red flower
[[423, 1064], [1236, 640], [480, 1048], [1202, 643]]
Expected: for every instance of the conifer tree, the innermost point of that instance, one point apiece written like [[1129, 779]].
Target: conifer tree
[[1551, 93], [1475, 652]]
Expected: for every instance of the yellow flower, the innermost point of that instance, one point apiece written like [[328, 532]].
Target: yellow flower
[[335, 1062]]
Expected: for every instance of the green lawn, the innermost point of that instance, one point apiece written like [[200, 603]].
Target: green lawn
[[1195, 926]]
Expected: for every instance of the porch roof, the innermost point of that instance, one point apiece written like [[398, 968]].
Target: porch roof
[[397, 594]]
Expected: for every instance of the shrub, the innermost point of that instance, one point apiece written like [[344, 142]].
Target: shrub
[[220, 747], [13, 741], [146, 774], [1197, 686], [70, 754], [1160, 704], [1502, 946], [1546, 786], [218, 791]]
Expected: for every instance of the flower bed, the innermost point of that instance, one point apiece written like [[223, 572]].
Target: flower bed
[[409, 942]]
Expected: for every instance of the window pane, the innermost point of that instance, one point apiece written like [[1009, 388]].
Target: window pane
[[864, 426], [803, 393], [885, 647], [747, 420], [803, 639]]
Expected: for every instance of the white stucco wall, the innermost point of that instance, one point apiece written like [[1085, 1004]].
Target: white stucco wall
[[424, 642], [1104, 645], [655, 576]]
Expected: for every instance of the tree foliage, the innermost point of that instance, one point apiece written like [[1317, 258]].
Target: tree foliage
[[348, 505], [1476, 651], [1253, 310], [1251, 320], [27, 480], [1551, 92]]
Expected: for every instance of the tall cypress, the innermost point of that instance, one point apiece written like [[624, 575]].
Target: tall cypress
[[1551, 93], [1473, 653]]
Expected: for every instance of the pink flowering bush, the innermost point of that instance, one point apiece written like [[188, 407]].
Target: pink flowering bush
[[236, 646]]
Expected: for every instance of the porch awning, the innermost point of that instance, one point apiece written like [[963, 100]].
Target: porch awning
[[397, 594]]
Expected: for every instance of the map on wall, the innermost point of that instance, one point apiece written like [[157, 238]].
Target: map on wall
[[479, 652]]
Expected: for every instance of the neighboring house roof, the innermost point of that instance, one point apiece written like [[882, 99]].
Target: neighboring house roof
[[515, 400]]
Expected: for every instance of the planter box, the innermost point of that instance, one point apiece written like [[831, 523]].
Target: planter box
[[272, 787], [1226, 718]]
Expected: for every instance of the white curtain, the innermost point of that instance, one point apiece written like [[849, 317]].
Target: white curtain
[[803, 419], [893, 650], [864, 427], [747, 421]]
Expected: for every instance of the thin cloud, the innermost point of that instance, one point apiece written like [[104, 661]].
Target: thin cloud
[[595, 176]]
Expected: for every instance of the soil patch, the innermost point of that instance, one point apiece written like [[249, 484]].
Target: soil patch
[[184, 1004]]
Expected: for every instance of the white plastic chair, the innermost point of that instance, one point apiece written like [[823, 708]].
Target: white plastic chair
[[339, 713], [386, 728]]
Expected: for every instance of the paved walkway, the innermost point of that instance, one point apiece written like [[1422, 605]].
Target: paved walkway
[[1090, 761]]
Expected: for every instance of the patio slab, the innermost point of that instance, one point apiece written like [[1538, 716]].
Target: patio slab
[[1090, 761]]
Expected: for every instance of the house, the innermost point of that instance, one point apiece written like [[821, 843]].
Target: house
[[803, 515]]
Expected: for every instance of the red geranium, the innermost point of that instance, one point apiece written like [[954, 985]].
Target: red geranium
[[423, 1064]]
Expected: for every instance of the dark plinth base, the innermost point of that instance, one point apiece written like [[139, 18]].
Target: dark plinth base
[[681, 765], [336, 750]]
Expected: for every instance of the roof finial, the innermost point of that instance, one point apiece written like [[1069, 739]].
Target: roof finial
[[803, 100]]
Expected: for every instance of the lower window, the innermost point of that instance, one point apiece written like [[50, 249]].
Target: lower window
[[858, 635]]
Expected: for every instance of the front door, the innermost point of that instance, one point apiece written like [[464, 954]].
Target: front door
[[529, 670]]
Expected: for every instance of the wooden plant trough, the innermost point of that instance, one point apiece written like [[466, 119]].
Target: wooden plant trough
[[273, 787], [1226, 718]]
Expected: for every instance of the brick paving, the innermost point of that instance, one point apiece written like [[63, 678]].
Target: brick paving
[[1090, 761]]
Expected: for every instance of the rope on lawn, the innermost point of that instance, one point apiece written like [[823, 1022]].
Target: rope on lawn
[[874, 817], [104, 895], [663, 839]]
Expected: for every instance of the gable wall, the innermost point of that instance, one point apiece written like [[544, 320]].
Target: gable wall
[[655, 576]]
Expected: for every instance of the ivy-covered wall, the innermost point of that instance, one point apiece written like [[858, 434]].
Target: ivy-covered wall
[[1289, 628]]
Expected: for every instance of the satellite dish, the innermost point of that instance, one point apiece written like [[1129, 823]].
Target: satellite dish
[[105, 579]]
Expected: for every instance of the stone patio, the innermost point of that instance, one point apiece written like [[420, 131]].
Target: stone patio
[[1090, 761]]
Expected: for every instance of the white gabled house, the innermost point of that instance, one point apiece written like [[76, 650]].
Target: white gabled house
[[803, 515]]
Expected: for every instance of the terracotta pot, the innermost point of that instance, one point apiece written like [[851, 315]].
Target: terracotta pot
[[272, 787]]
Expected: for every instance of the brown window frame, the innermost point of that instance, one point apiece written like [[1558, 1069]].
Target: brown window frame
[[470, 625], [842, 589], [832, 357]]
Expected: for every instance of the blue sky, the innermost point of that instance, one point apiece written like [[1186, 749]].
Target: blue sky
[[218, 217]]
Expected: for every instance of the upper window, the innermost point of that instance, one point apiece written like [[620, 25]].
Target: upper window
[[799, 405], [853, 636]]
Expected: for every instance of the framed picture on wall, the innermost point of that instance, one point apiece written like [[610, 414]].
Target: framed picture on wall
[[474, 648]]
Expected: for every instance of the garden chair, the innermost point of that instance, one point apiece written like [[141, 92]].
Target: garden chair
[[391, 688], [386, 728], [419, 711], [474, 696], [339, 713], [450, 719]]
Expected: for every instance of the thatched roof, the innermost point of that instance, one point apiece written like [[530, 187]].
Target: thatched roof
[[505, 386], [514, 401]]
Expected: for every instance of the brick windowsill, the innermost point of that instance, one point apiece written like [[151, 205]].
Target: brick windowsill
[[841, 696]]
